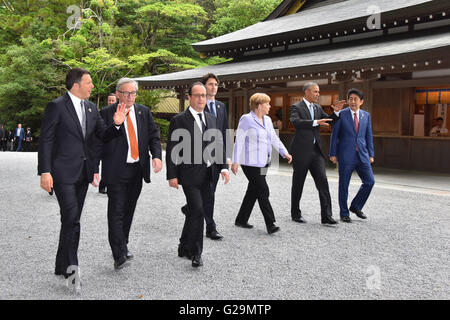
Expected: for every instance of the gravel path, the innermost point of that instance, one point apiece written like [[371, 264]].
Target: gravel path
[[400, 252]]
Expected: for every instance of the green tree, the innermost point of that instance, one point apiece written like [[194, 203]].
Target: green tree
[[233, 15], [30, 77]]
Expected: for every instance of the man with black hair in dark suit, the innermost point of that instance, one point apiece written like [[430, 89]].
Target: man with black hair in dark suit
[[3, 138], [307, 116], [68, 159], [193, 166]]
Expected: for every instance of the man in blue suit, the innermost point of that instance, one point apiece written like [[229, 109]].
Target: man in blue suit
[[20, 136], [352, 147]]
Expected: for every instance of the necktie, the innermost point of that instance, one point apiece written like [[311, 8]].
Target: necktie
[[212, 109], [355, 119], [83, 118], [201, 121], [311, 111], [132, 136]]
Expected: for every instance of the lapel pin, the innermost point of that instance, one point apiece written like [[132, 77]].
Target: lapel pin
[[140, 112], [89, 109]]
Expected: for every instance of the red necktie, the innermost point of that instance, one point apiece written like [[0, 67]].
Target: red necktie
[[355, 119]]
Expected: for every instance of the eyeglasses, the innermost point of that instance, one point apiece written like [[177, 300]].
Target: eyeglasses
[[198, 95], [128, 93]]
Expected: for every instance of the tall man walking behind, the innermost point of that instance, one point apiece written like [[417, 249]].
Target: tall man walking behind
[[352, 146], [218, 110], [125, 162], [68, 160], [307, 116]]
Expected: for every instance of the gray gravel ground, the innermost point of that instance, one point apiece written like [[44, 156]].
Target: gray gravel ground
[[400, 252]]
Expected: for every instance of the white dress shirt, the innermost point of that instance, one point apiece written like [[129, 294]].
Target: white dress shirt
[[353, 115], [197, 118], [77, 105]]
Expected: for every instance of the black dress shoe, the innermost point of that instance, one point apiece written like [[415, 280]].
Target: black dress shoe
[[130, 256], [184, 209], [346, 219], [214, 235], [272, 229], [299, 219], [183, 253], [329, 220], [358, 213], [197, 261], [120, 263], [243, 225]]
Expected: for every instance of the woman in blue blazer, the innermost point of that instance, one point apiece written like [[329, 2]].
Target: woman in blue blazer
[[255, 137]]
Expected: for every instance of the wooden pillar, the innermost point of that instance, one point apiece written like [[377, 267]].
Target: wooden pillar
[[246, 105], [368, 95], [231, 110], [181, 95]]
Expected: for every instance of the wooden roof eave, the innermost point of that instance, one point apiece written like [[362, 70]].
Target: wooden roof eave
[[396, 15]]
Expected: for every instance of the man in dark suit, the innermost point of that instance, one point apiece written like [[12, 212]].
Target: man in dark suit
[[3, 138], [67, 158], [112, 98], [194, 167], [307, 116], [218, 110], [352, 146], [125, 162]]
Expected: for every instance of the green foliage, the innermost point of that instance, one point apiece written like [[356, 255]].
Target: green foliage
[[163, 126], [232, 15], [126, 38]]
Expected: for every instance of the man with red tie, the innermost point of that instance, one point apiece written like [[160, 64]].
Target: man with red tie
[[126, 162], [352, 147]]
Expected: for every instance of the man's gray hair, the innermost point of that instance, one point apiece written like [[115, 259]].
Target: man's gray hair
[[308, 85], [123, 81]]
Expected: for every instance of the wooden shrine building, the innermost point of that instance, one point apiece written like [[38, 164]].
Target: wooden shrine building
[[396, 51]]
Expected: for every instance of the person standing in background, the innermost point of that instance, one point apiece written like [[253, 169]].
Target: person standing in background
[[19, 137], [112, 98]]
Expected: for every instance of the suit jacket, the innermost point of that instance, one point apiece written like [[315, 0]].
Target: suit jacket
[[62, 148], [344, 138], [114, 153], [21, 133], [189, 165], [222, 125], [305, 133]]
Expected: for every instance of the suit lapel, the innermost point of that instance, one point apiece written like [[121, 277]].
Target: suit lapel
[[139, 124], [71, 109], [191, 123], [305, 109]]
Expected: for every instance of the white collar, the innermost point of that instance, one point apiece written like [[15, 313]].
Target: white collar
[[308, 104], [74, 98], [195, 113]]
